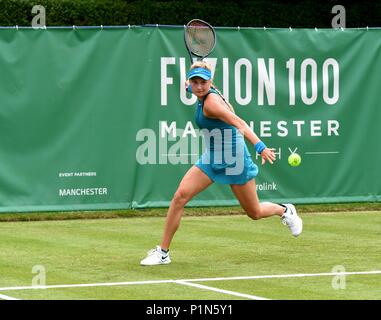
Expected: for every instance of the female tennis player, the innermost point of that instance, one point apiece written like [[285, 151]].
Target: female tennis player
[[226, 160]]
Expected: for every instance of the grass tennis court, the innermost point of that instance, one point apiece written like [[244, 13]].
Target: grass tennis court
[[213, 257]]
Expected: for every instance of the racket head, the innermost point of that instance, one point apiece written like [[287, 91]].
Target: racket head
[[200, 38]]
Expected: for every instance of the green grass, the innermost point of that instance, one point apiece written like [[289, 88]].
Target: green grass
[[190, 211], [109, 250]]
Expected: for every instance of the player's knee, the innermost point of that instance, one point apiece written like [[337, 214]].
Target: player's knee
[[181, 197], [254, 213]]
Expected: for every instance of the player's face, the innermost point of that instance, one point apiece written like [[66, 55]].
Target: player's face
[[200, 87]]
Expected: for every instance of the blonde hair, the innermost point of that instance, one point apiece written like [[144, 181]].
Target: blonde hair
[[205, 65]]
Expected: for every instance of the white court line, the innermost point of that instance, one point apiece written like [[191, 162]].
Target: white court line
[[84, 285], [233, 293], [4, 297], [278, 276], [190, 280]]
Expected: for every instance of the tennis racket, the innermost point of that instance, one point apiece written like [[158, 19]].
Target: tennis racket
[[200, 39]]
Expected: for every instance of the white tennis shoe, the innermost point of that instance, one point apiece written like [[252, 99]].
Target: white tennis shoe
[[292, 220], [155, 257]]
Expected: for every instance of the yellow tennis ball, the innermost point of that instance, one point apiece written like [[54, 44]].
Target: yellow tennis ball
[[294, 160]]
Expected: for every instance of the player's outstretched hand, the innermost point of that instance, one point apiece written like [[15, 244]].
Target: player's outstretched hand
[[268, 155]]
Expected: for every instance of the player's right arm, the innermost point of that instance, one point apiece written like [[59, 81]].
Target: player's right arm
[[215, 108]]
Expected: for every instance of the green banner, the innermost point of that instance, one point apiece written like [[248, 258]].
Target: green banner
[[99, 118]]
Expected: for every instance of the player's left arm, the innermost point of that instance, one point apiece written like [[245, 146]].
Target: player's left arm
[[215, 108]]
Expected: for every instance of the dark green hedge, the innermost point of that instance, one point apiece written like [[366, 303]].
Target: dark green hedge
[[259, 13]]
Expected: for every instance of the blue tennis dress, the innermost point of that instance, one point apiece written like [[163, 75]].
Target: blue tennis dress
[[226, 159]]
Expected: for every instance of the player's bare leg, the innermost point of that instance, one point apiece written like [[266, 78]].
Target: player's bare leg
[[248, 198], [192, 183]]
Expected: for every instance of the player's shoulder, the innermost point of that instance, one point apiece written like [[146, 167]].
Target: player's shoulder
[[213, 105], [212, 97]]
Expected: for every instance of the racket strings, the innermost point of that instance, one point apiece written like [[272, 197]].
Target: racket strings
[[200, 39]]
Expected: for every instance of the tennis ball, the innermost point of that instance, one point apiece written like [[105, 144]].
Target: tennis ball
[[294, 160]]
